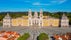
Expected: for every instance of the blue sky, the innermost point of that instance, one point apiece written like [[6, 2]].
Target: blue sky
[[35, 5]]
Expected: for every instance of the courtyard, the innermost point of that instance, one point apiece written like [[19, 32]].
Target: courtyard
[[35, 31]]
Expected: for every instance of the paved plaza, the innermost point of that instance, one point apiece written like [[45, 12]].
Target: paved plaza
[[35, 31]]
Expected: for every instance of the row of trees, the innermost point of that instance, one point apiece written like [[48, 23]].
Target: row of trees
[[42, 36], [19, 14]]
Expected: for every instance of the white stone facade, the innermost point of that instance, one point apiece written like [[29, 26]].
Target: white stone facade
[[35, 20], [7, 21], [64, 21]]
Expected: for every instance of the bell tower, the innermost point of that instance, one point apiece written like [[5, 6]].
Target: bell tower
[[41, 18], [30, 17], [41, 14], [30, 13]]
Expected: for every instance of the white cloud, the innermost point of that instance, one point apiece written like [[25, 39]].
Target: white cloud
[[58, 1], [53, 1], [62, 1], [39, 4], [27, 1], [50, 3]]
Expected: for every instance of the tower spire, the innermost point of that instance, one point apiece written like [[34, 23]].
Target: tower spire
[[30, 13], [41, 13]]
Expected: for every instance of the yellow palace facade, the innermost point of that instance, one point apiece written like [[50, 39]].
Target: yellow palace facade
[[35, 20], [20, 21]]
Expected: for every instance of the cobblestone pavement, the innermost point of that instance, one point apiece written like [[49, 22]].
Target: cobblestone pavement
[[35, 31]]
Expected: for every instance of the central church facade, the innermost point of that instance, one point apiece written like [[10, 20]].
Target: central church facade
[[34, 20]]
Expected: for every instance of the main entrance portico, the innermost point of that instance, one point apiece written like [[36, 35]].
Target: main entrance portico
[[35, 20]]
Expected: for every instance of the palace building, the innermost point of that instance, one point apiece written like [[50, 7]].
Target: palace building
[[35, 20]]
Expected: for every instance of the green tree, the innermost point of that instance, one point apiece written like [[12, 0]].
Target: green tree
[[43, 36], [24, 37]]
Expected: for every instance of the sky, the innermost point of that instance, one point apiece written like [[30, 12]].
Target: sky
[[35, 5]]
